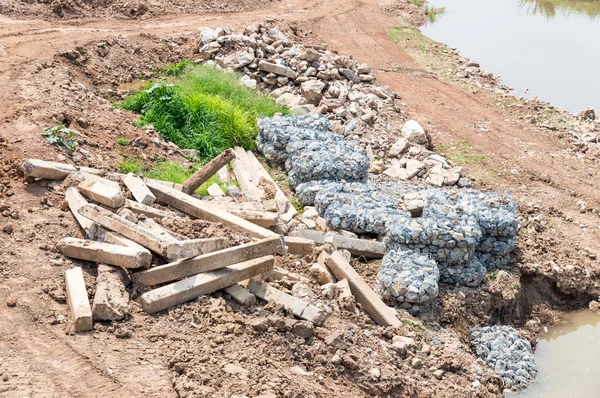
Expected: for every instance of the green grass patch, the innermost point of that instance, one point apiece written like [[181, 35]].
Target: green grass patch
[[204, 109], [122, 141], [176, 69], [461, 152], [549, 8], [169, 171]]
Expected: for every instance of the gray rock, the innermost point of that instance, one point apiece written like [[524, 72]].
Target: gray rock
[[312, 91], [413, 132]]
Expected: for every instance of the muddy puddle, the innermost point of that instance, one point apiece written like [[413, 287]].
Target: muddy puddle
[[133, 86], [568, 360], [550, 47]]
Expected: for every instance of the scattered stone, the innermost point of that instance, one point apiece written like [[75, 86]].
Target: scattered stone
[[413, 132], [303, 329], [11, 302]]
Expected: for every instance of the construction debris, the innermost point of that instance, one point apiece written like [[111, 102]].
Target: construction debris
[[111, 301], [204, 283], [99, 252], [78, 300], [48, 170], [102, 193], [139, 190], [207, 171]]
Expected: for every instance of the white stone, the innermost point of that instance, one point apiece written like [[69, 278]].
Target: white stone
[[413, 132]]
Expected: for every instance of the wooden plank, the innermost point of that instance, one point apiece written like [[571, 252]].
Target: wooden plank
[[207, 171], [48, 170], [102, 193], [242, 172], [128, 229], [298, 307], [209, 262], [208, 282], [205, 211], [369, 300], [138, 189], [78, 300], [76, 201], [100, 252]]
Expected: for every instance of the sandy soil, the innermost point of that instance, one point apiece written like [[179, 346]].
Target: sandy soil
[[66, 69]]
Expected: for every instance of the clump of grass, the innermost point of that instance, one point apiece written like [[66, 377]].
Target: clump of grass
[[169, 171], [131, 166], [461, 152], [204, 109], [433, 12], [61, 136], [176, 69], [122, 141]]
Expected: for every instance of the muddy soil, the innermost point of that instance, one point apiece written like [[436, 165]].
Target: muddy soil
[[69, 70]]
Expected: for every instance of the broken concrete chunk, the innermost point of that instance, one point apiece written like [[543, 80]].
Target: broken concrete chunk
[[277, 69], [300, 246], [48, 170], [78, 300], [102, 193], [208, 282], [139, 190], [359, 247], [76, 201], [215, 190], [111, 302], [100, 252], [321, 274], [298, 307], [241, 295]]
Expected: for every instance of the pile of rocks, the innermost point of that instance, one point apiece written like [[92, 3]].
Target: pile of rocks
[[503, 349], [307, 79], [431, 234]]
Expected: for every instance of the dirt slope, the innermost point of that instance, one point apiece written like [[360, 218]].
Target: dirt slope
[[38, 358]]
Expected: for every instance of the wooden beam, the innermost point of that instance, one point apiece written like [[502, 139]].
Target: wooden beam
[[102, 193], [207, 171], [369, 300], [78, 300], [205, 211], [209, 262], [128, 229], [100, 252], [208, 282], [138, 189]]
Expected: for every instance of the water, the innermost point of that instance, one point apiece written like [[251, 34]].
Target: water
[[568, 360], [551, 47]]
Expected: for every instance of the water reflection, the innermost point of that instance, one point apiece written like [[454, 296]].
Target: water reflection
[[549, 8]]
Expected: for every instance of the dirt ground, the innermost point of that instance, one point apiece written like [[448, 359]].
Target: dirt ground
[[66, 65]]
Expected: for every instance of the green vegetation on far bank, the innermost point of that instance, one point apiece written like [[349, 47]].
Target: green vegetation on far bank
[[203, 108], [549, 8]]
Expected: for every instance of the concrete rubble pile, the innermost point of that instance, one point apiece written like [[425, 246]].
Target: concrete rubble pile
[[431, 234], [504, 350], [134, 240]]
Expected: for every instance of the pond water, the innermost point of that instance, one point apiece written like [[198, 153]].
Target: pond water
[[568, 360], [551, 47]]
